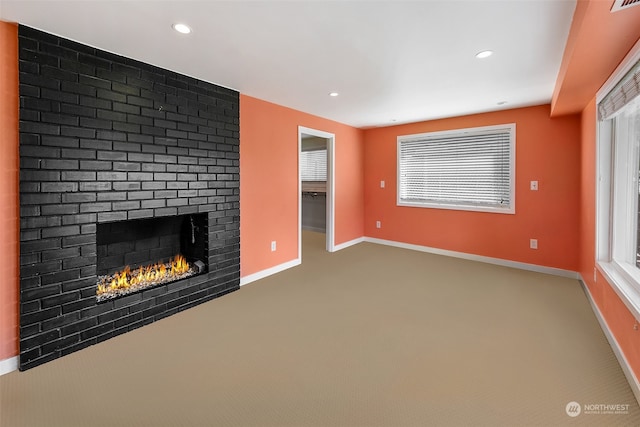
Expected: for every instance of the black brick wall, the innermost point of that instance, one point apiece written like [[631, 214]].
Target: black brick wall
[[105, 138]]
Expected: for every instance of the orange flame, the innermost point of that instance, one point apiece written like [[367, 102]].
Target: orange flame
[[150, 274]]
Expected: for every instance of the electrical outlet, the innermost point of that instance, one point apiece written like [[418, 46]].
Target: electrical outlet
[[534, 186], [533, 243], [381, 184], [273, 246], [378, 224]]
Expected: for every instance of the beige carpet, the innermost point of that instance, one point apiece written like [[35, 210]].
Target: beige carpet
[[367, 336]]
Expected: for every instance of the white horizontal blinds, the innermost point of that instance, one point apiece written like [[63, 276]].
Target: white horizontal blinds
[[462, 168], [313, 165], [623, 93]]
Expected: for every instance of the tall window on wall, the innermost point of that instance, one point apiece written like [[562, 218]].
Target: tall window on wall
[[465, 169], [313, 165], [618, 212]]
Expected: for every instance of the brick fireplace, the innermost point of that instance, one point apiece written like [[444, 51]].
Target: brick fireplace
[[107, 144]]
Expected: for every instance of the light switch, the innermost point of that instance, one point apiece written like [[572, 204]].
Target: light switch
[[381, 184], [534, 185]]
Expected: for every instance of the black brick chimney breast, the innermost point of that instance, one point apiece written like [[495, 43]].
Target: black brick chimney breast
[[105, 138]]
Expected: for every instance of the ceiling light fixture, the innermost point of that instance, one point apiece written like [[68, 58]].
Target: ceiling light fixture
[[484, 54], [334, 94], [181, 28], [501, 102]]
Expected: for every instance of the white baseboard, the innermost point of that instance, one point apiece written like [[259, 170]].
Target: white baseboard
[[349, 243], [269, 271], [8, 365], [497, 261], [622, 360]]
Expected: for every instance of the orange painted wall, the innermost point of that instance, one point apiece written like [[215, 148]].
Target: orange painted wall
[[547, 150], [618, 317], [598, 40], [269, 182], [9, 191]]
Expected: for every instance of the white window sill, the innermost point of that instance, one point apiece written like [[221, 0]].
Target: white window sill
[[474, 208], [623, 285]]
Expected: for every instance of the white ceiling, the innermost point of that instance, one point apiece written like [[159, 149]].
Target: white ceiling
[[391, 61]]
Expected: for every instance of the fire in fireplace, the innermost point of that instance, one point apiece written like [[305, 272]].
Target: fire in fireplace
[[128, 281], [140, 254]]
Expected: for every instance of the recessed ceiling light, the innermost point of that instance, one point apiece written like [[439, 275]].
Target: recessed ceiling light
[[334, 94], [484, 54], [182, 28]]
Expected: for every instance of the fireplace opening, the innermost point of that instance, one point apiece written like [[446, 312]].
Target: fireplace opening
[[141, 254]]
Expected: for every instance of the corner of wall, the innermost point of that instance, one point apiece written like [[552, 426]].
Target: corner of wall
[[9, 190]]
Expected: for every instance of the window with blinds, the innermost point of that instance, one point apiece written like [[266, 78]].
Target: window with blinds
[[627, 89], [466, 169], [313, 165], [618, 191]]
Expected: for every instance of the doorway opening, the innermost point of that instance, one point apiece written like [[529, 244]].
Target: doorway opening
[[316, 185]]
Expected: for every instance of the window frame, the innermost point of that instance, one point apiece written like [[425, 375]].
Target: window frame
[[623, 277], [510, 209]]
